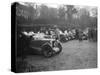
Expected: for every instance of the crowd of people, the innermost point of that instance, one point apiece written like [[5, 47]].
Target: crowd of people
[[68, 34]]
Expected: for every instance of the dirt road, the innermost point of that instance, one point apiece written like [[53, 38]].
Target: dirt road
[[75, 55]]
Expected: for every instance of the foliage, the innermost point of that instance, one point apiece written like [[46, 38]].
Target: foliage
[[66, 15]]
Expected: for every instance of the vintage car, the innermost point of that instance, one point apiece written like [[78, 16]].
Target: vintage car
[[40, 43]]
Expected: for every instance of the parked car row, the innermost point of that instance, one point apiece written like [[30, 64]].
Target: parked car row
[[62, 36], [49, 43]]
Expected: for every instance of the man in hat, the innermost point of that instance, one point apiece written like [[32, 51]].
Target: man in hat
[[57, 32]]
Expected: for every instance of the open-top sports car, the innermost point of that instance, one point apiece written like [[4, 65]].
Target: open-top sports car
[[42, 44]]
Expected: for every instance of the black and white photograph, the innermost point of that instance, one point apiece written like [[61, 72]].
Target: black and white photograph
[[54, 37]]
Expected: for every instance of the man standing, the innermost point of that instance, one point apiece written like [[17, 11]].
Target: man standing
[[57, 32]]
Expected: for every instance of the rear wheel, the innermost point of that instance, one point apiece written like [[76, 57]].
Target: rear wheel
[[47, 51]]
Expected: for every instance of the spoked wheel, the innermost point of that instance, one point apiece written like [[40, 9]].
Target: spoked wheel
[[47, 51]]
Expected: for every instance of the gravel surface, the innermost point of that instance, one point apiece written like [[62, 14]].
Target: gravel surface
[[75, 55]]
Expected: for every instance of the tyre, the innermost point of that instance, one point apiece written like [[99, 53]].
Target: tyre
[[47, 51]]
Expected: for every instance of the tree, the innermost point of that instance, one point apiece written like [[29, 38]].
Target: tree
[[44, 12], [25, 13], [61, 12], [70, 11]]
